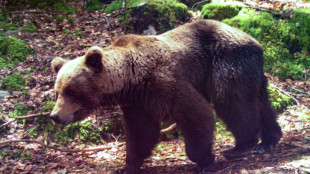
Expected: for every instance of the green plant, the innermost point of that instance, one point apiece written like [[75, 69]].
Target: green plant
[[19, 110], [278, 100], [47, 106], [113, 125], [21, 154], [78, 32], [30, 27], [3, 154], [160, 148], [83, 131], [67, 31], [221, 130], [61, 18], [63, 7], [13, 82]]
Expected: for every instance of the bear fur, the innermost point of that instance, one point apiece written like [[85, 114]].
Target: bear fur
[[174, 76]]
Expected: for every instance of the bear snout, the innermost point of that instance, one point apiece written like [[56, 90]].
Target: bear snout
[[55, 118]]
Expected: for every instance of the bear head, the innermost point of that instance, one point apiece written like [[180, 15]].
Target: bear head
[[77, 86]]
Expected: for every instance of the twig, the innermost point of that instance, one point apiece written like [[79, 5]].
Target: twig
[[57, 148], [233, 165], [170, 128], [281, 90], [25, 117]]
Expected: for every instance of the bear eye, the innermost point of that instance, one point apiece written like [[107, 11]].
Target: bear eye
[[70, 93]]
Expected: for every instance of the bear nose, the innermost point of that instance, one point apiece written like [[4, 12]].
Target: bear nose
[[55, 118]]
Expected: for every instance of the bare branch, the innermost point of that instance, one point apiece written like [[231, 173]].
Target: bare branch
[[58, 148], [25, 117]]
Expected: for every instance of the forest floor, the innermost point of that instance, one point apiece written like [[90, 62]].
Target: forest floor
[[292, 155]]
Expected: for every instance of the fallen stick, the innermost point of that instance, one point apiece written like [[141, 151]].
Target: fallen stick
[[58, 148], [25, 117]]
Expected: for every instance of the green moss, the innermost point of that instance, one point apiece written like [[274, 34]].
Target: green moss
[[94, 5], [278, 100], [12, 51], [286, 46], [30, 27], [13, 82], [161, 14], [220, 11]]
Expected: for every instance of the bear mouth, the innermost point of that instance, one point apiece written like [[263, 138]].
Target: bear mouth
[[76, 116], [70, 120]]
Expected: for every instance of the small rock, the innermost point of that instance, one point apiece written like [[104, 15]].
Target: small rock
[[16, 93], [4, 94]]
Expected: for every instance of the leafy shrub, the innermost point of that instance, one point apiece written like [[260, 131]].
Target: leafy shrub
[[12, 51], [220, 11], [13, 82], [278, 100]]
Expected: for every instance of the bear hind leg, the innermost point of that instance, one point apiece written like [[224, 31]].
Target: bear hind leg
[[271, 131], [193, 116], [242, 119]]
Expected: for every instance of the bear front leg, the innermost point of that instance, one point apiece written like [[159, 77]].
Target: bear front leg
[[142, 133], [193, 115]]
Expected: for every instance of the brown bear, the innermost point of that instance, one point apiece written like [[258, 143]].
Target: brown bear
[[175, 76]]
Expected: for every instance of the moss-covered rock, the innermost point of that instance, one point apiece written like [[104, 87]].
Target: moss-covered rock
[[220, 11], [12, 51], [162, 15], [286, 46], [279, 101]]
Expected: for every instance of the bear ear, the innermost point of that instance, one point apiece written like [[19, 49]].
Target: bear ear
[[93, 59], [57, 63]]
